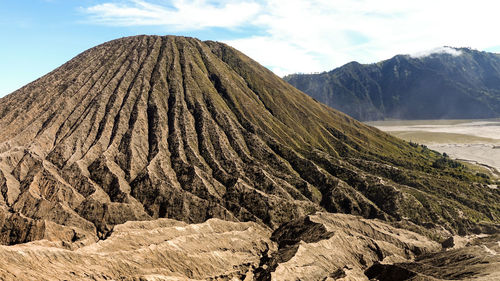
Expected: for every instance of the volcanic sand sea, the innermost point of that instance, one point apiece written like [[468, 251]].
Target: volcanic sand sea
[[471, 140]]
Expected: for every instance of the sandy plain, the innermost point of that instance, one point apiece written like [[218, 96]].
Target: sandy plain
[[476, 141]]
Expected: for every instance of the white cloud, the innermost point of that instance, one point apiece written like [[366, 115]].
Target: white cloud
[[180, 15], [438, 50], [318, 35], [278, 55]]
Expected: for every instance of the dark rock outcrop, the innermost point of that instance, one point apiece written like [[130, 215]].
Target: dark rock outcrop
[[477, 260], [334, 246]]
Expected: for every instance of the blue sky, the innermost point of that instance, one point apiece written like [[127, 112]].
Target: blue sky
[[285, 36]]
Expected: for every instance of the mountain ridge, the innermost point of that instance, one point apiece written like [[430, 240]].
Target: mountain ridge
[[432, 86], [150, 127]]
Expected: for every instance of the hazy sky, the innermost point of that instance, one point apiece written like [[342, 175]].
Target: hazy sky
[[285, 36]]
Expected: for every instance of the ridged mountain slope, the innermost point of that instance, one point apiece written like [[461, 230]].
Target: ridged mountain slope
[[439, 85], [148, 127]]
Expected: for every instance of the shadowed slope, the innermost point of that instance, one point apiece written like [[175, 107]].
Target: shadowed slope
[[147, 127]]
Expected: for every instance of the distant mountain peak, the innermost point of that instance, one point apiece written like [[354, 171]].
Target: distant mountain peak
[[445, 82]]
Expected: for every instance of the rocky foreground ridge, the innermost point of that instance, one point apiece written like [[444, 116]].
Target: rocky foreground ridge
[[147, 127], [317, 247]]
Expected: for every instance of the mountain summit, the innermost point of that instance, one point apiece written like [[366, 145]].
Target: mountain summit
[[150, 158], [151, 127], [445, 83]]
